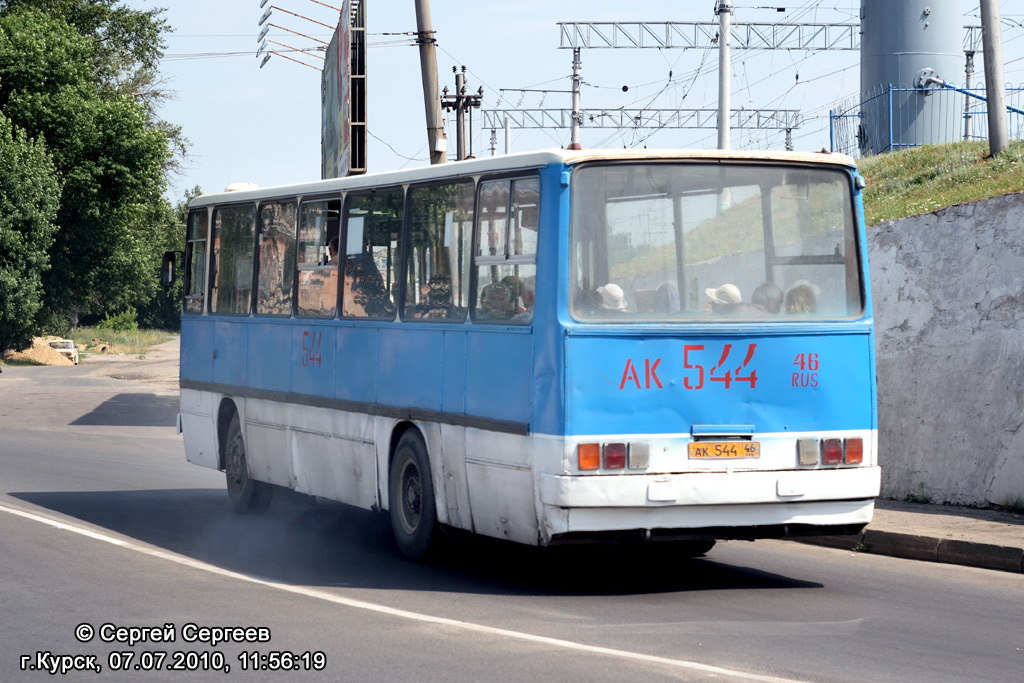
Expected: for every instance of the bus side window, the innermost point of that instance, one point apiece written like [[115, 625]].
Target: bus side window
[[505, 252], [276, 278], [437, 274], [317, 258], [234, 231], [195, 260], [373, 223]]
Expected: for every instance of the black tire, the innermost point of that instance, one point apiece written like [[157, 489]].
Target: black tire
[[411, 498], [245, 493]]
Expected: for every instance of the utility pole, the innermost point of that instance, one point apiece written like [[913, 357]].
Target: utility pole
[[437, 143], [461, 103], [494, 134], [992, 48], [724, 12], [968, 83], [577, 115]]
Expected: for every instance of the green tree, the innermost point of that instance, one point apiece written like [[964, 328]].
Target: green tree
[[126, 44], [164, 310], [109, 153], [28, 207]]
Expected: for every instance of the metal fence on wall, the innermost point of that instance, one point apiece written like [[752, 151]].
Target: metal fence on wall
[[893, 118]]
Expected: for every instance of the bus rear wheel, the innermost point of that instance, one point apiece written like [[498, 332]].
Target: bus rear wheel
[[411, 492], [245, 493]]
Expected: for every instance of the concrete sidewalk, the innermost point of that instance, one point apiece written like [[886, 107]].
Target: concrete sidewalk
[[939, 533]]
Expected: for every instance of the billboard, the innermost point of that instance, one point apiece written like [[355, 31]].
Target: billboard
[[335, 90]]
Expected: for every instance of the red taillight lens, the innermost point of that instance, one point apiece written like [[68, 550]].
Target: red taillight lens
[[589, 455], [832, 451], [615, 456], [854, 451]]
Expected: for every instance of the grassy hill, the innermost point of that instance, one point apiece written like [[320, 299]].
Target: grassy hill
[[929, 178]]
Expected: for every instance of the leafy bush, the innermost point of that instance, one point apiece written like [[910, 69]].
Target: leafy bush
[[122, 322], [56, 325]]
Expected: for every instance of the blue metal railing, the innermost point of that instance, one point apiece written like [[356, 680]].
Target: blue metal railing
[[893, 118]]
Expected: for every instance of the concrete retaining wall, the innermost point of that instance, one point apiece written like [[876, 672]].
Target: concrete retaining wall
[[948, 292]]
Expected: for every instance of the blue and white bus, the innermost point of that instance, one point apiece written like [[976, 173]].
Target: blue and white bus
[[548, 347]]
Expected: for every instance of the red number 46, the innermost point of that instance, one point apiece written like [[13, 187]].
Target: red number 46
[[806, 361]]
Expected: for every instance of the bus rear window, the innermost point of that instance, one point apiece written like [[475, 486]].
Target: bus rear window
[[713, 241]]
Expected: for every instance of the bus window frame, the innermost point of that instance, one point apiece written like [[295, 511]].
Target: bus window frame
[[257, 253], [398, 264], [302, 200], [212, 271], [188, 258], [855, 231], [506, 259], [403, 306]]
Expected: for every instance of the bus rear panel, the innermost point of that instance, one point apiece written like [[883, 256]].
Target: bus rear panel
[[718, 354]]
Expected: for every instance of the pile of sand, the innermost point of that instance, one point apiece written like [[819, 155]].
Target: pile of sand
[[40, 352]]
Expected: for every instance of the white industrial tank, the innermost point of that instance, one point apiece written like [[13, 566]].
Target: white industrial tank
[[902, 43]]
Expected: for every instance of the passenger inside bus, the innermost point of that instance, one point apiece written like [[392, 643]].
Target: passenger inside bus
[[800, 300], [612, 298], [365, 295], [332, 250], [767, 298], [436, 298], [666, 298], [528, 296], [725, 299], [497, 301]]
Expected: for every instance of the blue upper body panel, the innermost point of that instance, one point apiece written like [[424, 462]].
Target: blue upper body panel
[[558, 376], [645, 384]]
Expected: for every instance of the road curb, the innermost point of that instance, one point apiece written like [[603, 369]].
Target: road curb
[[912, 547], [927, 548]]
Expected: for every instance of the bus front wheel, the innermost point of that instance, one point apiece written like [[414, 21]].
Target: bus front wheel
[[411, 491], [245, 493]]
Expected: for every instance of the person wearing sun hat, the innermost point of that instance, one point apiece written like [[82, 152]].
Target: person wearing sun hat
[[725, 294], [724, 299], [612, 297]]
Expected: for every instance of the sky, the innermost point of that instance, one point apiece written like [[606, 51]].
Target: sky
[[245, 123]]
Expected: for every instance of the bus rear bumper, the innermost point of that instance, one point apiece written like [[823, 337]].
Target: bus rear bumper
[[708, 504]]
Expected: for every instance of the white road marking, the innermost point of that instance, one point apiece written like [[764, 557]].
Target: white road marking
[[391, 611]]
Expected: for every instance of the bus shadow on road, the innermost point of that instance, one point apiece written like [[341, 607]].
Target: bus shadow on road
[[302, 541], [133, 410]]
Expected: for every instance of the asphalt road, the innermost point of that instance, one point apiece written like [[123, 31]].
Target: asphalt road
[[104, 524]]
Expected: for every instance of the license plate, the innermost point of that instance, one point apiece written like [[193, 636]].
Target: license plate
[[724, 449]]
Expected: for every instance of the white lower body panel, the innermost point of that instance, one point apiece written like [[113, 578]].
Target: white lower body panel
[[711, 520], [517, 487], [594, 503]]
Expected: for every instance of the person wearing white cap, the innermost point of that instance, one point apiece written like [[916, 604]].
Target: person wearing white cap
[[726, 294], [612, 297], [724, 299]]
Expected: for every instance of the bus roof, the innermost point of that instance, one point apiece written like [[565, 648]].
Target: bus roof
[[512, 162]]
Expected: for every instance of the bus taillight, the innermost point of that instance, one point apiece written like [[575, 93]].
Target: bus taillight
[[807, 452], [832, 451], [854, 451], [589, 456], [615, 456], [639, 456]]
